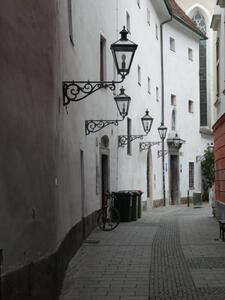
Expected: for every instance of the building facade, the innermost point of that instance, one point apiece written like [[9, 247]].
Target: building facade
[[217, 25]]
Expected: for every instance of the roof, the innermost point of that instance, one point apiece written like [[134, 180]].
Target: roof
[[177, 12]]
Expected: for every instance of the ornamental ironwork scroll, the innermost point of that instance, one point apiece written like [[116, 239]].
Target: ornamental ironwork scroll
[[78, 90], [92, 126], [146, 145], [124, 139]]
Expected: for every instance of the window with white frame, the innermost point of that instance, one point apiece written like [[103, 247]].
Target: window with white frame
[[148, 16], [157, 93], [172, 44], [191, 175], [139, 75], [156, 32], [190, 106], [149, 85], [128, 22], [173, 99], [173, 119], [190, 54]]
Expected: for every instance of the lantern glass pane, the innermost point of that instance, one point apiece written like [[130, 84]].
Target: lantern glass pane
[[123, 60], [123, 106]]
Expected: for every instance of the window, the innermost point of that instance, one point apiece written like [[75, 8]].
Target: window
[[173, 100], [173, 123], [70, 20], [156, 31], [157, 93], [172, 44], [128, 136], [199, 20], [190, 106], [128, 22], [139, 75], [148, 16], [102, 58], [149, 85], [191, 175], [190, 54], [138, 3]]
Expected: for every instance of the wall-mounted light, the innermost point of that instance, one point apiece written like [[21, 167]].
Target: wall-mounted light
[[210, 148], [146, 123], [123, 53], [123, 103], [162, 131]]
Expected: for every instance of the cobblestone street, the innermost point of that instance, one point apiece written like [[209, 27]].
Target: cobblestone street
[[170, 253]]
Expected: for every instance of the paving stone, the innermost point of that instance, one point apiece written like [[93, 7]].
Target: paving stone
[[170, 253]]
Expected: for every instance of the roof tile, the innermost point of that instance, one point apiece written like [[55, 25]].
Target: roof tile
[[178, 12]]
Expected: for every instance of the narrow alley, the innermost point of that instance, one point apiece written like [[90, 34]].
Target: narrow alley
[[170, 253]]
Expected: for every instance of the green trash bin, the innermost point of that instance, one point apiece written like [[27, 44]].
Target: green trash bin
[[123, 203], [139, 193]]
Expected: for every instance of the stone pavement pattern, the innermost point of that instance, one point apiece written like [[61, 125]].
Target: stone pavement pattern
[[170, 253]]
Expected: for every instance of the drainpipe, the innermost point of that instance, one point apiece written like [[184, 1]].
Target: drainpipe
[[162, 65], [162, 117]]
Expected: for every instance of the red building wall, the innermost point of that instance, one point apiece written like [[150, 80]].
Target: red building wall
[[219, 146]]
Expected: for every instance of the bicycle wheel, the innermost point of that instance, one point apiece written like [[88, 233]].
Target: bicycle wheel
[[111, 221], [101, 220]]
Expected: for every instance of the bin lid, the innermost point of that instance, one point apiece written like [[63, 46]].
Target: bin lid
[[130, 192]]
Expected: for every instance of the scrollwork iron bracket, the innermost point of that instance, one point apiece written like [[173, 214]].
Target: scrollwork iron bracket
[[146, 145], [79, 90], [92, 126], [160, 153], [124, 139]]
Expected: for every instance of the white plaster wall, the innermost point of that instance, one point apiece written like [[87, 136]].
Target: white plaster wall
[[132, 169], [182, 80], [81, 62]]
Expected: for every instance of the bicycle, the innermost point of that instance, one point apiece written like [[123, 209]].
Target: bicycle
[[108, 217]]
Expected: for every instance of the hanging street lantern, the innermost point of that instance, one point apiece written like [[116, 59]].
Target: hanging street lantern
[[147, 122], [123, 103], [123, 53], [162, 131]]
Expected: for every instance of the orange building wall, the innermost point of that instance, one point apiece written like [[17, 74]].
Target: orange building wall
[[219, 136]]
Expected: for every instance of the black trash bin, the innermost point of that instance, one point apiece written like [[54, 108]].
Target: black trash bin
[[123, 203], [134, 209]]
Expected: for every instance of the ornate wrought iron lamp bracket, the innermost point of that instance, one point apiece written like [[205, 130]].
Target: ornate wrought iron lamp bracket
[[159, 154], [124, 139], [79, 90], [146, 145], [92, 126]]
